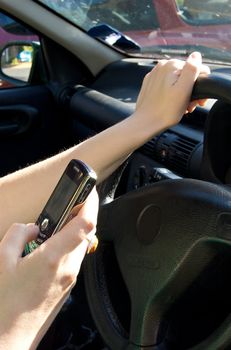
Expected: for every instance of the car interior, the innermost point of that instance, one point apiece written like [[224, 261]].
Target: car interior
[[133, 293]]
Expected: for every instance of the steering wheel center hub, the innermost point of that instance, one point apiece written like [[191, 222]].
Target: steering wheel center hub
[[148, 224]]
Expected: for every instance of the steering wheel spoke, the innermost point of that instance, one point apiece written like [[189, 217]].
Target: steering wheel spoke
[[156, 282]]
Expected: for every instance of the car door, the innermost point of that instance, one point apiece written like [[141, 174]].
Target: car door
[[33, 120]]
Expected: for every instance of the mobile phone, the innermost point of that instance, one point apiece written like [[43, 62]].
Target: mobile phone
[[72, 189]]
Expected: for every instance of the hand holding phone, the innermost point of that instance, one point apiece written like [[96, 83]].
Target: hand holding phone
[[72, 189]]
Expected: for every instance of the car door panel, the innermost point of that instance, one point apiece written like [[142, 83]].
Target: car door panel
[[31, 126], [17, 119]]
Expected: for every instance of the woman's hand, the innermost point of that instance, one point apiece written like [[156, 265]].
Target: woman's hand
[[33, 288], [166, 91]]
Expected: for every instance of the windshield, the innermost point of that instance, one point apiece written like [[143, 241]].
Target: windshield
[[155, 27]]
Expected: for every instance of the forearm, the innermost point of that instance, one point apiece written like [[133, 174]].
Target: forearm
[[163, 99], [25, 192]]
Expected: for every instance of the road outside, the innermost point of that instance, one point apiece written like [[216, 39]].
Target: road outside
[[19, 71]]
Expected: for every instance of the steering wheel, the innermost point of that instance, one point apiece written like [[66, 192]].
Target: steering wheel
[[164, 238]]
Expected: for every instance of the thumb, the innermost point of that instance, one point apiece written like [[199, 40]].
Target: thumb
[[76, 230], [15, 239]]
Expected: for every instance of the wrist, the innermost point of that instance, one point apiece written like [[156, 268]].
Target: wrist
[[13, 340], [146, 128], [20, 334]]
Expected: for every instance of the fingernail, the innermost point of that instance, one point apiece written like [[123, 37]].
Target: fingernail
[[93, 244], [196, 55], [33, 226]]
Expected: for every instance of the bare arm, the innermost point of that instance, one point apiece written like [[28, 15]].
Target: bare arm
[[163, 99]]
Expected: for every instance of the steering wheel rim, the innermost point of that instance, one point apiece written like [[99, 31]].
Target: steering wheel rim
[[192, 198]]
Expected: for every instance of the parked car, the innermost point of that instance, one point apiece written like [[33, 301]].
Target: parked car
[[160, 278]]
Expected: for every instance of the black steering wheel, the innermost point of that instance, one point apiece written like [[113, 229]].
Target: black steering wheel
[[164, 238]]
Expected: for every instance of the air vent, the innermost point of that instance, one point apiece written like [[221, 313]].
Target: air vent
[[179, 154], [149, 148], [172, 150]]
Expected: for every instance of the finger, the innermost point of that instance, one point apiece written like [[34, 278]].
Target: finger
[[77, 229], [193, 104], [67, 248], [205, 70], [161, 63], [14, 241], [75, 210], [202, 102], [190, 72], [92, 244], [90, 209]]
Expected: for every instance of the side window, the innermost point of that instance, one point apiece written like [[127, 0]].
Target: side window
[[17, 51]]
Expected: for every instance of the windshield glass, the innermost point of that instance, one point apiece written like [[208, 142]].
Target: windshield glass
[[155, 27]]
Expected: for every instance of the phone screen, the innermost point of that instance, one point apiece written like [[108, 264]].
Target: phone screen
[[61, 197]]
